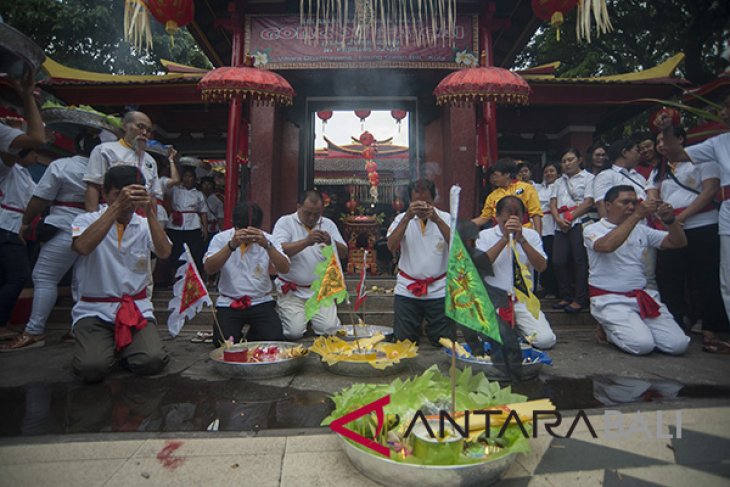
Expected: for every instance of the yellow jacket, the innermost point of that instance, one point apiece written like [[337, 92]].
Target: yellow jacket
[[524, 191]]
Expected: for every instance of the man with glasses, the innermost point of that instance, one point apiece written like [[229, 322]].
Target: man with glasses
[[130, 151], [302, 235]]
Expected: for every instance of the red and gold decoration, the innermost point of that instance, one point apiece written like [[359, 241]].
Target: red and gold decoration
[[189, 294], [324, 115], [553, 11], [137, 28], [173, 14], [398, 115], [368, 153], [654, 118], [485, 83], [246, 83], [362, 115]]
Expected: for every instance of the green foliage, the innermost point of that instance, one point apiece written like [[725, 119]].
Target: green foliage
[[88, 34], [645, 34]]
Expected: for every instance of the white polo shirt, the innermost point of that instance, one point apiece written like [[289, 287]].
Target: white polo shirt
[[7, 136], [623, 269], [215, 212], [113, 269], [290, 229], [615, 176], [692, 176], [187, 200], [16, 186], [244, 273], [502, 265], [548, 222], [63, 182], [114, 153], [716, 150], [424, 253], [162, 216], [571, 191]]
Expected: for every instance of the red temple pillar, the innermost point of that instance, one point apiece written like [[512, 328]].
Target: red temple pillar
[[489, 109]]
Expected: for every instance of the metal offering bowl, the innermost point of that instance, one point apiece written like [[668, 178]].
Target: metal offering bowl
[[529, 370], [364, 331], [256, 370], [389, 472]]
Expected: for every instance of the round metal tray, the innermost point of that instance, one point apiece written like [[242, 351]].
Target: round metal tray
[[388, 472], [529, 370], [365, 331], [256, 370], [364, 369], [19, 52]]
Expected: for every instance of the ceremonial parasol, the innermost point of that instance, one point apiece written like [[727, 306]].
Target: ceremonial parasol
[[239, 85], [485, 85], [246, 83]]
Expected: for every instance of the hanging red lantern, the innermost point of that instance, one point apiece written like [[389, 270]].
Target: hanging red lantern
[[371, 166], [654, 118], [553, 10], [368, 153], [367, 139], [398, 115], [362, 114], [172, 13], [324, 115]]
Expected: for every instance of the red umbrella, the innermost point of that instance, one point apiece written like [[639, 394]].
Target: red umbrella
[[476, 85], [246, 82]]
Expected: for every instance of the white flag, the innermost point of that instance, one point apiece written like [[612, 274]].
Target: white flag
[[189, 294]]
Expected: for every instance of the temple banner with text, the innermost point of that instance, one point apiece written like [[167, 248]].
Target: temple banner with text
[[279, 42]]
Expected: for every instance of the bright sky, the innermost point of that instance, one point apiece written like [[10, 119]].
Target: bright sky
[[345, 124]]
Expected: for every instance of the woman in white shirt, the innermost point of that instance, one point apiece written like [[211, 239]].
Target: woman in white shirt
[[691, 189], [547, 285]]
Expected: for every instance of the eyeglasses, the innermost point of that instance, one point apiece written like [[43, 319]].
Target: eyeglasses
[[143, 127]]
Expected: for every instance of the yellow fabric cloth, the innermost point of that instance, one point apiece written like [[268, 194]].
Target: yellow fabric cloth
[[524, 191], [120, 234]]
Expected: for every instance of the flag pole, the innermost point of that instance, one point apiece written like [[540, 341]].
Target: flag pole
[[191, 261], [511, 292], [454, 214]]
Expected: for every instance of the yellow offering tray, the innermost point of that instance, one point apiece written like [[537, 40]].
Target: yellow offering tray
[[366, 357]]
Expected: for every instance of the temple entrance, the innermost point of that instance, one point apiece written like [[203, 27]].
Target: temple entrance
[[362, 161]]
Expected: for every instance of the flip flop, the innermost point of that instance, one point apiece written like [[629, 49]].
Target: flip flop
[[600, 335], [203, 337]]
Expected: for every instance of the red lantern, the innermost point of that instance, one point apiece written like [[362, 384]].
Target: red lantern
[[553, 10], [172, 13], [369, 153], [362, 114], [367, 139], [398, 115], [654, 119], [371, 166], [324, 115]]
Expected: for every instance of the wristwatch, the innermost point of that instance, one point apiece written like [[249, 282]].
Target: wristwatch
[[522, 240]]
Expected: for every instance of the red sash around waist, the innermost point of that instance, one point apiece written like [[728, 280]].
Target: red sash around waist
[[648, 307], [177, 217], [12, 208], [128, 316], [290, 286], [567, 212], [70, 204], [240, 303], [419, 287], [707, 208]]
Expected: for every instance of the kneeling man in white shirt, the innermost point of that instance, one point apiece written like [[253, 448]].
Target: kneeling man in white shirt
[[632, 316]]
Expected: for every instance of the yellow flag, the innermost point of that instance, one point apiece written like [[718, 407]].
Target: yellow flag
[[523, 284]]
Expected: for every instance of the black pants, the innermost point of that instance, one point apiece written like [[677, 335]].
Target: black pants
[[14, 272], [194, 239], [410, 313], [568, 249], [694, 265], [547, 278], [263, 318]]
